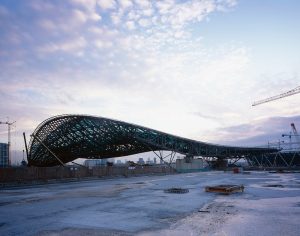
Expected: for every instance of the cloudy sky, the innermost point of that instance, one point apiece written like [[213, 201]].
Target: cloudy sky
[[187, 67]]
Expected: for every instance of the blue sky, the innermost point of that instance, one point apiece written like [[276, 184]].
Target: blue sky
[[190, 68]]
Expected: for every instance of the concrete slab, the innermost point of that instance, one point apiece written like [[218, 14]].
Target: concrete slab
[[139, 206]]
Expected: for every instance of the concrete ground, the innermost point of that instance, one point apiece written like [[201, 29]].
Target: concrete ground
[[270, 205]]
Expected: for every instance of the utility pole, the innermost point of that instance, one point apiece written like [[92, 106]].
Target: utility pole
[[9, 124]]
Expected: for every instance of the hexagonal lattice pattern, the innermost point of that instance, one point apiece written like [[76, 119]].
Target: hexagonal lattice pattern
[[80, 136]]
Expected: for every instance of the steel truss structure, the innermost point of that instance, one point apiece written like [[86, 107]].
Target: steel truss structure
[[279, 159], [64, 138]]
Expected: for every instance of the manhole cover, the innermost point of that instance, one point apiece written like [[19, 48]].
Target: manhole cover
[[176, 190]]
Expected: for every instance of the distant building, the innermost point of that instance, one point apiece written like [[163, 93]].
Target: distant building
[[189, 165], [149, 162], [119, 162], [141, 161], [92, 163], [4, 155], [103, 162], [98, 162]]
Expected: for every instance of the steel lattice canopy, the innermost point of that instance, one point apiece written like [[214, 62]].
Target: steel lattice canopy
[[81, 136]]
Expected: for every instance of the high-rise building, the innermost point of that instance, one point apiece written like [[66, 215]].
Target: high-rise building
[[4, 155], [141, 161], [149, 161]]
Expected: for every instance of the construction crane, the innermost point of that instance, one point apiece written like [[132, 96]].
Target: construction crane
[[286, 94], [296, 134], [290, 138], [294, 129], [290, 135], [9, 124]]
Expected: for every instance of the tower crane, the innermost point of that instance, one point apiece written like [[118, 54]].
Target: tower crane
[[290, 139], [296, 134], [286, 94], [294, 129], [9, 124]]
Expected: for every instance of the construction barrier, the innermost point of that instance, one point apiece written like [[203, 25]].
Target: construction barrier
[[30, 174]]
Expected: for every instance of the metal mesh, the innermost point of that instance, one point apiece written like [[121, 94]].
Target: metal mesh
[[81, 136]]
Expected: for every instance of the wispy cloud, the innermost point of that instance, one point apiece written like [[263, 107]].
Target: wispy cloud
[[146, 62]]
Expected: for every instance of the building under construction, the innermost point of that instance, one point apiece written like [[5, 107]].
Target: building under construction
[[288, 156], [279, 159], [64, 138], [4, 162]]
